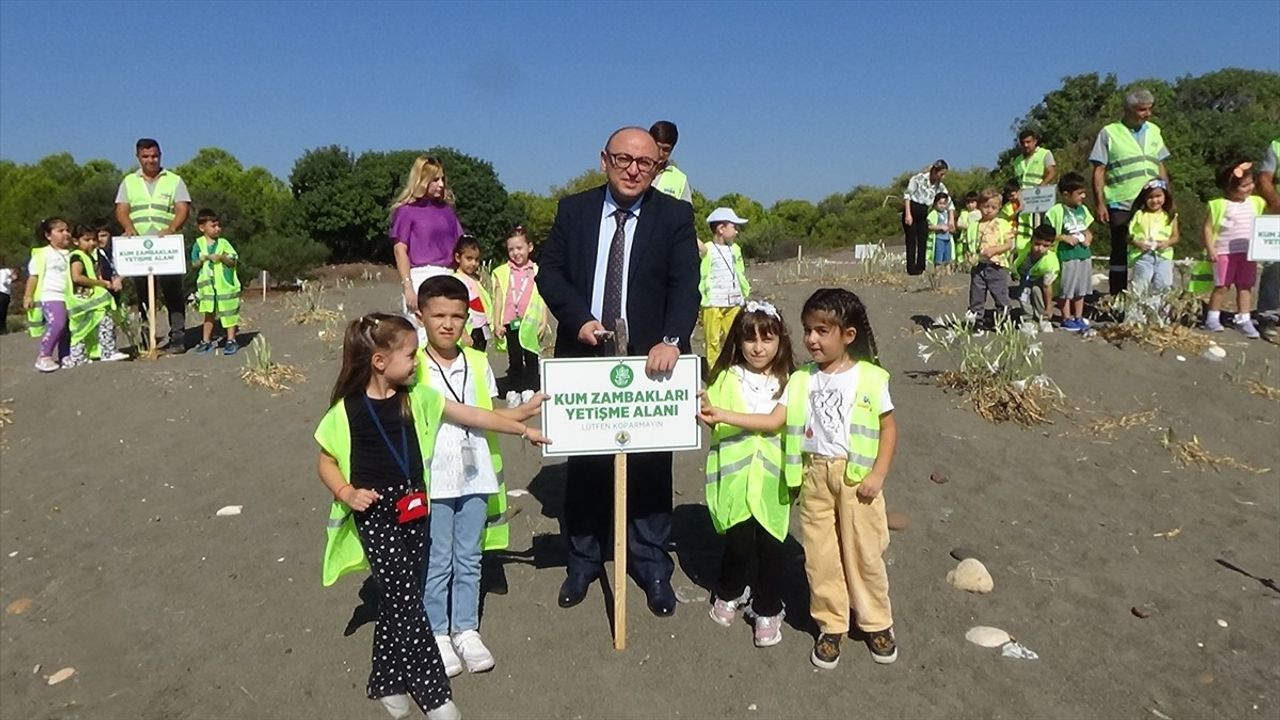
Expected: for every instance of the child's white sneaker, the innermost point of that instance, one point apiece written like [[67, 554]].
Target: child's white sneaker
[[447, 711], [1046, 326], [452, 664], [725, 612], [115, 357], [47, 365], [513, 399], [396, 705], [474, 653], [526, 396], [768, 630]]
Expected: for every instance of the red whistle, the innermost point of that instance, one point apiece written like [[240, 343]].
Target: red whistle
[[412, 507]]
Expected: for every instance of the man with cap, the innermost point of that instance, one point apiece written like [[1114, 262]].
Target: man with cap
[[671, 180], [622, 251], [723, 284]]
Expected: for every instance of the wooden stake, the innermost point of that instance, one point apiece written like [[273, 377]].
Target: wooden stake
[[620, 521], [152, 352], [264, 286]]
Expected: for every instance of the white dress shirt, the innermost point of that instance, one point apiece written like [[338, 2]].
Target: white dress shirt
[[607, 227]]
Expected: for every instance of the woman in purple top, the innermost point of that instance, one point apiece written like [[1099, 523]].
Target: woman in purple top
[[424, 229]]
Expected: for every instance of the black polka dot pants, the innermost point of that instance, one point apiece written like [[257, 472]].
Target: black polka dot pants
[[405, 656]]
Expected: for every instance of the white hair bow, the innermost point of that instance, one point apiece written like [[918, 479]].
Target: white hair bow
[[765, 307]]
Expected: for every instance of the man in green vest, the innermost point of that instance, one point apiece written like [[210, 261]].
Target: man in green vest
[[1125, 156], [671, 180], [155, 201], [1269, 280], [1035, 166]]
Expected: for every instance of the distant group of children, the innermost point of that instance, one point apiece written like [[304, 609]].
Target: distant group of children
[[72, 295], [1051, 262]]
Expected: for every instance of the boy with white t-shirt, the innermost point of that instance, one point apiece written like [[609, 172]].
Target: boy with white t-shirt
[[724, 284], [7, 276], [468, 496]]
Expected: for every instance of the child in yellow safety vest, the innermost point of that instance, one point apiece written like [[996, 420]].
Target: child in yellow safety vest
[[90, 305], [1228, 228], [45, 294], [839, 441], [377, 442], [217, 285], [466, 267], [747, 496], [518, 311], [724, 285], [468, 491], [991, 239], [1153, 231]]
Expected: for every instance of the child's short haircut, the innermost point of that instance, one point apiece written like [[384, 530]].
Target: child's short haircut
[[205, 215], [1071, 182], [103, 227], [988, 194], [82, 229], [970, 196], [1010, 186], [940, 196], [1227, 177], [1043, 233], [445, 286], [465, 243], [665, 132]]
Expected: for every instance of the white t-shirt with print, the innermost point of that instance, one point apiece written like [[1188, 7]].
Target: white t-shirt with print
[[6, 280], [55, 274], [722, 279], [826, 425], [449, 478]]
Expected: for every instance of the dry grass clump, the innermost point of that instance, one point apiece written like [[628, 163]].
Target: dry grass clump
[[999, 402], [1110, 424], [882, 268], [1189, 453], [1256, 385], [6, 418], [260, 371], [1161, 322], [1001, 372], [308, 305]]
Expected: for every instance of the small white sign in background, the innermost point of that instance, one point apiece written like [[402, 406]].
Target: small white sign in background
[[1037, 199], [608, 405], [1264, 244], [142, 255]]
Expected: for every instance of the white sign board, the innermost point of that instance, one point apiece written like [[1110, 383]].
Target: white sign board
[[1037, 199], [608, 405], [1264, 244], [865, 252], [142, 255]]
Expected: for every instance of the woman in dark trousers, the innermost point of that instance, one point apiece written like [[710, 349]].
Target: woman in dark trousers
[[916, 200]]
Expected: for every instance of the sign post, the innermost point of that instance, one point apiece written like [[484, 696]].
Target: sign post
[[610, 406], [149, 255]]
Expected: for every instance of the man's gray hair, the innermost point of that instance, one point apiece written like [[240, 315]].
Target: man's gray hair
[[1137, 97]]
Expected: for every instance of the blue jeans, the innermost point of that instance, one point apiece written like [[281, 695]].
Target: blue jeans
[[941, 250], [453, 564]]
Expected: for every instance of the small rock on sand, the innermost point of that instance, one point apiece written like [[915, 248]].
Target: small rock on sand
[[19, 606], [987, 636], [971, 576], [897, 520], [229, 510], [963, 553], [61, 675], [938, 476]]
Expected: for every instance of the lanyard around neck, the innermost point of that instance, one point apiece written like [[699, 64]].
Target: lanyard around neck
[[401, 458], [457, 396]]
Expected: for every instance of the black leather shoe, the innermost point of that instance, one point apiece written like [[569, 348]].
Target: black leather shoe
[[573, 590], [662, 599]]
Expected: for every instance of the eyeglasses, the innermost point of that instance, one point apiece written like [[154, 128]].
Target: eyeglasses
[[622, 161]]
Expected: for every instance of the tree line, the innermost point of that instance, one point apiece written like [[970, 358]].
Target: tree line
[[334, 206]]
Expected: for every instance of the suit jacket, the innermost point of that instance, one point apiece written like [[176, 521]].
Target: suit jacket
[[662, 277]]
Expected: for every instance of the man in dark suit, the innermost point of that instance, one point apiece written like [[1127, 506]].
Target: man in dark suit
[[624, 251]]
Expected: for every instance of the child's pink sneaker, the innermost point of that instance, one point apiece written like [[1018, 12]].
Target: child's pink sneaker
[[725, 612], [768, 631]]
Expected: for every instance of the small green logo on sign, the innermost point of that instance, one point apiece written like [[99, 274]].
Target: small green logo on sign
[[621, 376], [622, 438], [148, 243]]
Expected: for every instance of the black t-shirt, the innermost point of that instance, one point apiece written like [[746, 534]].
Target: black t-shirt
[[372, 464]]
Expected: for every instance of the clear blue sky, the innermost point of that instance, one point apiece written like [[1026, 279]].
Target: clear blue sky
[[773, 100]]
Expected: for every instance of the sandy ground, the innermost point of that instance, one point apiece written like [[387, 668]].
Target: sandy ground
[[113, 473]]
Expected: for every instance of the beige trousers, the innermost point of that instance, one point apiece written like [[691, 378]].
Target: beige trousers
[[844, 541]]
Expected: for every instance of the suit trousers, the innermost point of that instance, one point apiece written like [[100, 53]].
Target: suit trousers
[[588, 513]]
